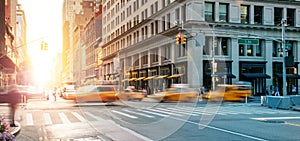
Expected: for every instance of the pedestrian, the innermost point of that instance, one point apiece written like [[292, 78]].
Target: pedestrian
[[294, 90], [54, 94], [14, 97], [276, 91]]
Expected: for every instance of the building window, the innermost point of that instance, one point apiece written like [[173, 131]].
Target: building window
[[167, 52], [250, 50], [208, 45], [276, 47], [183, 13], [290, 17], [241, 50], [154, 55], [209, 12], [258, 14], [163, 25], [177, 16], [223, 12], [278, 16], [222, 48], [168, 21], [244, 14]]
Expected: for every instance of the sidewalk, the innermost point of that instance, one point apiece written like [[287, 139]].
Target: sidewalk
[[15, 130]]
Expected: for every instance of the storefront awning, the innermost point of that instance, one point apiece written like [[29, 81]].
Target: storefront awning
[[291, 76], [161, 77], [6, 62], [141, 78], [256, 75], [175, 76], [132, 79], [223, 75], [150, 77]]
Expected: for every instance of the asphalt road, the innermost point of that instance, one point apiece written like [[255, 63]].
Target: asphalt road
[[149, 120]]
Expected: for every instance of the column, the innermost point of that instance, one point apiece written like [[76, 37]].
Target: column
[[235, 58], [269, 65], [195, 63]]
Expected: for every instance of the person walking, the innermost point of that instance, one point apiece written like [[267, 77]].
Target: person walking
[[276, 91], [14, 97]]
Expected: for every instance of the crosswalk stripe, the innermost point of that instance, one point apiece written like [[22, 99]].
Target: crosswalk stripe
[[178, 112], [141, 114], [29, 119], [82, 119], [124, 114], [47, 118], [169, 113], [64, 118], [93, 116], [149, 112]]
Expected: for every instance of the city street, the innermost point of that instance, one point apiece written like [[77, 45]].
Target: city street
[[149, 120]]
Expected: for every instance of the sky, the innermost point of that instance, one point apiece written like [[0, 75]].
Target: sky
[[44, 23]]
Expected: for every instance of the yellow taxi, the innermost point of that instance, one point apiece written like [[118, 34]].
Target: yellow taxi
[[102, 93], [177, 94], [130, 93], [229, 92]]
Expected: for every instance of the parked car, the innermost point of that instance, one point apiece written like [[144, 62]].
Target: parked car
[[177, 94], [102, 93], [130, 93]]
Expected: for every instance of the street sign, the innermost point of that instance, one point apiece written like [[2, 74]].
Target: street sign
[[248, 41]]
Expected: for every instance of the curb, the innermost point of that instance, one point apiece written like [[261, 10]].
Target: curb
[[15, 130]]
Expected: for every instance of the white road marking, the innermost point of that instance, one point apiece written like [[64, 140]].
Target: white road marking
[[82, 119], [29, 119], [275, 118], [64, 118], [178, 111], [141, 114], [153, 113], [47, 119], [169, 113], [124, 114]]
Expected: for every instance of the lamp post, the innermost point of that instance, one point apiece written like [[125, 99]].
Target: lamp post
[[283, 58]]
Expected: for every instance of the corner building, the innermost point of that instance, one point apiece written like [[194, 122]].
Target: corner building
[[242, 39]]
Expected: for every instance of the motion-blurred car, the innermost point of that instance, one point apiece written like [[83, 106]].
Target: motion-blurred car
[[96, 93], [177, 94], [69, 94], [229, 92], [131, 94], [31, 92]]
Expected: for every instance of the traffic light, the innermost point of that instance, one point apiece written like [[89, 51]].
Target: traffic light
[[178, 38], [44, 46], [183, 40]]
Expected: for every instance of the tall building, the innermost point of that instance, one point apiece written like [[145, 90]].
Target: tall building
[[8, 51], [226, 41]]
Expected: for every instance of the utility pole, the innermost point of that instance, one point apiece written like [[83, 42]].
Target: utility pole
[[284, 93]]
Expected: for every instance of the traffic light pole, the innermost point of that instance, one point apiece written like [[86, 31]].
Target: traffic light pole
[[284, 90]]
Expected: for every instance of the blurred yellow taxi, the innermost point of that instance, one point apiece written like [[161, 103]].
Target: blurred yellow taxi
[[177, 94], [130, 93], [93, 93], [229, 92]]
